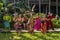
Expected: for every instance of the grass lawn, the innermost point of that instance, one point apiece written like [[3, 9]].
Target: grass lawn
[[27, 36]]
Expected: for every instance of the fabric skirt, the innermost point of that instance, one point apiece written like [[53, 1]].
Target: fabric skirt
[[44, 28]]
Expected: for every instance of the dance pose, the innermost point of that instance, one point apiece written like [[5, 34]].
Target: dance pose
[[20, 23], [17, 25], [7, 19], [30, 24], [37, 23], [25, 21], [49, 22], [44, 25]]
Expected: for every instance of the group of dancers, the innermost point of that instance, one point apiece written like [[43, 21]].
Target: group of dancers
[[31, 24]]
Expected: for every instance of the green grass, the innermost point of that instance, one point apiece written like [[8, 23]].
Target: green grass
[[28, 36]]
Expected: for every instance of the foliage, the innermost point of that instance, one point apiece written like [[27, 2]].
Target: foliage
[[1, 5], [27, 36], [56, 22], [9, 5], [40, 15]]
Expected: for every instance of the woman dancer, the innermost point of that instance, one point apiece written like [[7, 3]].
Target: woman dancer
[[37, 23], [30, 24], [49, 22], [17, 25], [44, 25], [7, 19], [20, 23], [25, 21]]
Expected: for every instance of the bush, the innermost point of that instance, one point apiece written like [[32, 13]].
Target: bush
[[1, 5], [56, 23]]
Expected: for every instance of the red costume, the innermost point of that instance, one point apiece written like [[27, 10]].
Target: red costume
[[25, 19], [49, 22], [25, 22], [30, 25], [44, 25]]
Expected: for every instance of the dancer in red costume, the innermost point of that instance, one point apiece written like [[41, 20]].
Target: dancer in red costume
[[44, 25], [30, 24], [49, 22], [25, 21]]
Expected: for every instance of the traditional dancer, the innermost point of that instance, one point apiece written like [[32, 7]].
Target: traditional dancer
[[7, 19], [37, 23], [25, 21], [20, 23], [17, 25], [30, 24], [49, 22], [15, 19], [44, 25]]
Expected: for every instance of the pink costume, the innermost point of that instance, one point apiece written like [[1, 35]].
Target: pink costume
[[37, 24], [17, 27], [17, 24]]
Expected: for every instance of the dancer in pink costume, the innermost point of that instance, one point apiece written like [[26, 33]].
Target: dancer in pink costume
[[17, 25], [37, 23]]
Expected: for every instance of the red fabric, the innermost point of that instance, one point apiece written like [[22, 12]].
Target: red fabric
[[49, 22], [50, 17], [29, 29], [44, 28], [25, 19], [54, 16]]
